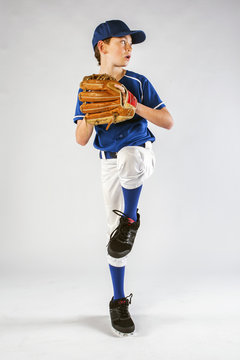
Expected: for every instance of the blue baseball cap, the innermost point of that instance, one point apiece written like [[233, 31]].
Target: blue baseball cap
[[116, 28]]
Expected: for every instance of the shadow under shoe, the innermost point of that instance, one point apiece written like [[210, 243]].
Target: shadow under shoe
[[122, 238], [121, 320]]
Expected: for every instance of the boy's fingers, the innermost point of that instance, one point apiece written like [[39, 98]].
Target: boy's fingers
[[120, 88]]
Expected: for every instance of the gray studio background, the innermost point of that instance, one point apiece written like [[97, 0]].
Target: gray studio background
[[52, 211]]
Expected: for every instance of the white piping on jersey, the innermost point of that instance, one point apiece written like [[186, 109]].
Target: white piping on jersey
[[138, 81], [158, 105], [78, 116]]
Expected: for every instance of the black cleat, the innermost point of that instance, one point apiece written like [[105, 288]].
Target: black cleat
[[122, 323], [122, 238]]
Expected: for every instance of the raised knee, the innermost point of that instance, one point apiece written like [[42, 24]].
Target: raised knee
[[130, 163]]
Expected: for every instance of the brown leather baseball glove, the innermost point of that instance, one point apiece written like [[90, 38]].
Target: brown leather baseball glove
[[103, 103]]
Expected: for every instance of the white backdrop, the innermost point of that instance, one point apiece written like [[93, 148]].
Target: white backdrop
[[52, 212], [52, 206]]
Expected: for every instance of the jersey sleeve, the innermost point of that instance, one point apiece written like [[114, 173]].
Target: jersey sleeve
[[151, 97], [78, 114]]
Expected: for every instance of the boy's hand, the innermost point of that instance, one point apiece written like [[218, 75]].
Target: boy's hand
[[123, 91], [127, 96]]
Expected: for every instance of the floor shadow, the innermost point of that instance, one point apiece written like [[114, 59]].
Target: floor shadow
[[99, 323], [145, 324], [96, 322]]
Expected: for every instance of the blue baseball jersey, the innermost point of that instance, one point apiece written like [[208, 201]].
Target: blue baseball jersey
[[131, 132]]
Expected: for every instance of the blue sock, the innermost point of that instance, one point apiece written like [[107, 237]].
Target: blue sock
[[131, 198], [117, 274]]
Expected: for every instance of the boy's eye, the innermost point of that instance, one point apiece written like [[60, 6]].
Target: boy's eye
[[124, 42]]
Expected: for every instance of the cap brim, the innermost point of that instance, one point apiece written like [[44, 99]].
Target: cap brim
[[138, 36]]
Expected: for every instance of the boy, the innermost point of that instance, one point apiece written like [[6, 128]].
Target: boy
[[126, 154]]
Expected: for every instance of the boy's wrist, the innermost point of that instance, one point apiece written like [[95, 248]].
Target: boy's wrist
[[138, 107]]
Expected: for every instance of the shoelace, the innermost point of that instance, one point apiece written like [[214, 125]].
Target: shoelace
[[124, 306], [123, 229]]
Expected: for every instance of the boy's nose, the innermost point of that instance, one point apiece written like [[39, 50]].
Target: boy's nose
[[129, 47]]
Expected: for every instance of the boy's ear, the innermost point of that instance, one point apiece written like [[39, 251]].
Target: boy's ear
[[101, 46]]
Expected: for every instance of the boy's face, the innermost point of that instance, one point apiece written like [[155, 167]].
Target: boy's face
[[119, 50]]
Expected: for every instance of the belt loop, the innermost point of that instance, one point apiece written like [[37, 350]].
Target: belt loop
[[148, 145], [102, 155]]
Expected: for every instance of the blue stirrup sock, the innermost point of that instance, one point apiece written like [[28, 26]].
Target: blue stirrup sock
[[131, 198], [117, 274]]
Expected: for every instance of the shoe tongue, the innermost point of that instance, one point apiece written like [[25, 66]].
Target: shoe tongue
[[130, 221], [126, 221]]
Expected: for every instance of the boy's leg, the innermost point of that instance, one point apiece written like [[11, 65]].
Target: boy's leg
[[118, 196], [135, 164]]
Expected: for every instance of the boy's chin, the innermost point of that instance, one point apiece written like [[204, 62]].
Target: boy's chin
[[124, 64], [121, 65]]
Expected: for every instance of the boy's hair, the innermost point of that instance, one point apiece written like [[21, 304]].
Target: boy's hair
[[97, 53]]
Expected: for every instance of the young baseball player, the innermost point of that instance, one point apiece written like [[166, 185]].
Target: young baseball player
[[126, 155]]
